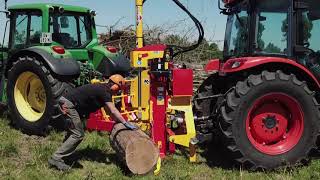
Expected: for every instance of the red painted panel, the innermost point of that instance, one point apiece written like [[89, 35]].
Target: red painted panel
[[182, 82], [158, 97], [155, 47], [213, 65], [172, 146], [97, 122]]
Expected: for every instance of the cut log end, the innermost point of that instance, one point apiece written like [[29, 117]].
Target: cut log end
[[135, 148]]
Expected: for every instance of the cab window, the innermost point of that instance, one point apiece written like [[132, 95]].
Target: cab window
[[72, 30], [27, 29]]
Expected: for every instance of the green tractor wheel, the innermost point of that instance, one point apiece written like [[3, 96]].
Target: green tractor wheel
[[33, 95]]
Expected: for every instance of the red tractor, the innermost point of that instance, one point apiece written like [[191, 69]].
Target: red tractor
[[262, 97]]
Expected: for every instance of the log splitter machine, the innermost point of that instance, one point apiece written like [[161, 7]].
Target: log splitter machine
[[158, 97]]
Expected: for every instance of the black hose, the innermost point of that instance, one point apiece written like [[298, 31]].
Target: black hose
[[199, 27]]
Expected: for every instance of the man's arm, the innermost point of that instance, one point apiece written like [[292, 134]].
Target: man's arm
[[116, 115]]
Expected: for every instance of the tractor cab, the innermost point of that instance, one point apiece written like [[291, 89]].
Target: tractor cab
[[65, 27], [36, 24], [274, 28]]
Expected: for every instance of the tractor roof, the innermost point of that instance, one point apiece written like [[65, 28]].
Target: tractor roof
[[43, 6]]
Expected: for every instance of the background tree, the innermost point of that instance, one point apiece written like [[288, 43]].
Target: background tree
[[271, 48], [241, 39], [307, 28], [125, 41]]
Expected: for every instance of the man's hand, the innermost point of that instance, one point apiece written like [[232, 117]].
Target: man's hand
[[63, 108], [116, 115], [129, 125]]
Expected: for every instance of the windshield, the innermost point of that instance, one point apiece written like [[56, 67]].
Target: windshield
[[236, 34], [72, 30], [261, 32]]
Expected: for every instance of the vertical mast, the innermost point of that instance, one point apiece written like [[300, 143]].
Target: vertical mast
[[139, 44], [139, 23]]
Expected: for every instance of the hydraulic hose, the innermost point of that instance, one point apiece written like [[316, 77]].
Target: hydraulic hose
[[197, 24]]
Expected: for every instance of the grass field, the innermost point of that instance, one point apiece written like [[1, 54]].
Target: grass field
[[25, 157]]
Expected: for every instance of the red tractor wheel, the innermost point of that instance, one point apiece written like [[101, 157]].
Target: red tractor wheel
[[274, 124], [270, 120]]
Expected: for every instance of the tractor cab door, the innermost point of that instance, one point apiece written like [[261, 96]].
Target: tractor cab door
[[73, 31], [307, 48], [3, 54], [26, 29], [4, 34]]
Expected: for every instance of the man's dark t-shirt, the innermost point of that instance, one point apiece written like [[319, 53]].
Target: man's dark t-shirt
[[89, 98]]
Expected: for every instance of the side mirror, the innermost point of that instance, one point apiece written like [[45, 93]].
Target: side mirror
[[64, 22], [262, 18]]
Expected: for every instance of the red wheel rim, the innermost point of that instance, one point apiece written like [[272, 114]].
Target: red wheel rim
[[274, 124]]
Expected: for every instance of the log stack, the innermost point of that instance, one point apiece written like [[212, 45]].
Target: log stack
[[134, 148]]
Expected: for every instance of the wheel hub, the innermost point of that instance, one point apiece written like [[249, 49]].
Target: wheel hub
[[275, 123], [270, 121]]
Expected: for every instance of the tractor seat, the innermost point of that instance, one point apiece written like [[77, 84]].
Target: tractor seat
[[62, 38]]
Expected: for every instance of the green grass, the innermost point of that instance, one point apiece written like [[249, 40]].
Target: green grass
[[25, 157]]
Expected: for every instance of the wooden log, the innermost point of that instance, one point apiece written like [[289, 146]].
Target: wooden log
[[134, 148]]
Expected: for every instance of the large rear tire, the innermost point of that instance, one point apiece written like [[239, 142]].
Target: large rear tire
[[270, 120], [33, 94]]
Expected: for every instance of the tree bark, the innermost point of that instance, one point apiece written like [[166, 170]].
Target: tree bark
[[134, 148]]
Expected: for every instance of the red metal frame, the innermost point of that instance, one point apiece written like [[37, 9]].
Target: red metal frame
[[286, 128], [96, 121], [159, 101], [154, 47], [250, 62]]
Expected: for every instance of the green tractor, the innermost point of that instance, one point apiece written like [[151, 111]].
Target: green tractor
[[51, 47]]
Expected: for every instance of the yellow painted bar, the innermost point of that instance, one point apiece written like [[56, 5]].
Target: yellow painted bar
[[139, 23]]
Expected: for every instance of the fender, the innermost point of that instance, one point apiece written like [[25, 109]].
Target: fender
[[118, 65], [109, 63], [60, 66], [213, 65], [239, 64]]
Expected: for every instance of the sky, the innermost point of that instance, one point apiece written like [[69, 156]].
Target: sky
[[163, 13]]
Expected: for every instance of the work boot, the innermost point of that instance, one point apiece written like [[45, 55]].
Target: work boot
[[59, 164]]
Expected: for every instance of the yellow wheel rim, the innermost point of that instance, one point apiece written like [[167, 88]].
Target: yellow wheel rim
[[30, 96]]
